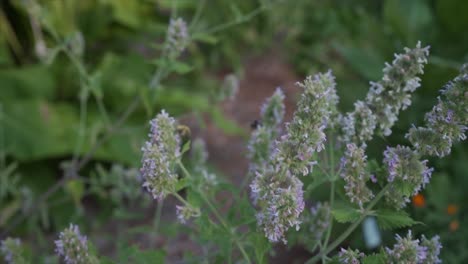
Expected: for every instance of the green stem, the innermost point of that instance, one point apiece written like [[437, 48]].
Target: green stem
[[217, 215], [332, 190], [350, 229]]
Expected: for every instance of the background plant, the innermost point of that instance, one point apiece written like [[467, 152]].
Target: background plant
[[48, 98]]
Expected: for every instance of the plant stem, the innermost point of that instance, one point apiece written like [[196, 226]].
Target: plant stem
[[350, 229], [332, 191], [217, 215]]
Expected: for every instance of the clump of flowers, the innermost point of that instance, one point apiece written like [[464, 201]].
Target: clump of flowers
[[12, 251], [72, 246], [349, 256], [407, 250], [263, 137], [185, 212], [393, 93], [359, 125], [177, 36], [355, 175], [305, 134], [160, 155], [320, 218], [279, 197], [230, 87], [385, 98], [407, 173], [276, 190], [433, 248], [446, 123]]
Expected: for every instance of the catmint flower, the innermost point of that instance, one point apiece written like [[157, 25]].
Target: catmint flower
[[177, 36], [279, 197], [272, 111], [407, 173], [185, 212], [12, 251], [393, 93], [320, 219], [262, 141], [72, 246], [349, 256], [407, 250], [160, 155], [359, 125], [306, 132], [433, 248], [230, 87], [447, 122], [355, 175]]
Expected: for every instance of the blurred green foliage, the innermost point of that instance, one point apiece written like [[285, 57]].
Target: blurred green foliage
[[118, 43]]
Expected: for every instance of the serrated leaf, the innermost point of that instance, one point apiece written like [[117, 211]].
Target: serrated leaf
[[374, 259], [388, 219], [345, 215]]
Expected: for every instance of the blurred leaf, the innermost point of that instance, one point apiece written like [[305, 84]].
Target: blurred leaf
[[367, 63], [180, 67], [409, 19], [9, 210], [75, 188], [374, 259], [27, 82], [205, 38]]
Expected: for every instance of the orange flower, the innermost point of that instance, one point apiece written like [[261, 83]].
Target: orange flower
[[453, 226], [419, 200], [452, 209]]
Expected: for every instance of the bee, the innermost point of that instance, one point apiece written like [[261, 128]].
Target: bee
[[255, 124], [184, 131]]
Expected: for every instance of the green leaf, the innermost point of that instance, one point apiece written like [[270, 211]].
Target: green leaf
[[185, 147], [205, 38], [388, 219], [180, 67], [75, 188], [346, 215], [374, 259]]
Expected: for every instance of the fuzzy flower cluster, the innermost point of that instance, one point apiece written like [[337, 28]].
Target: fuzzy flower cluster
[[305, 134], [230, 87], [407, 173], [355, 175], [447, 122], [185, 212], [276, 190], [407, 250], [349, 256], [359, 125], [393, 93], [72, 246], [12, 251], [160, 155], [177, 36], [386, 97], [279, 197], [320, 219], [262, 140]]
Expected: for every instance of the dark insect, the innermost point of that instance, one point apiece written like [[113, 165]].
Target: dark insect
[[255, 124]]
